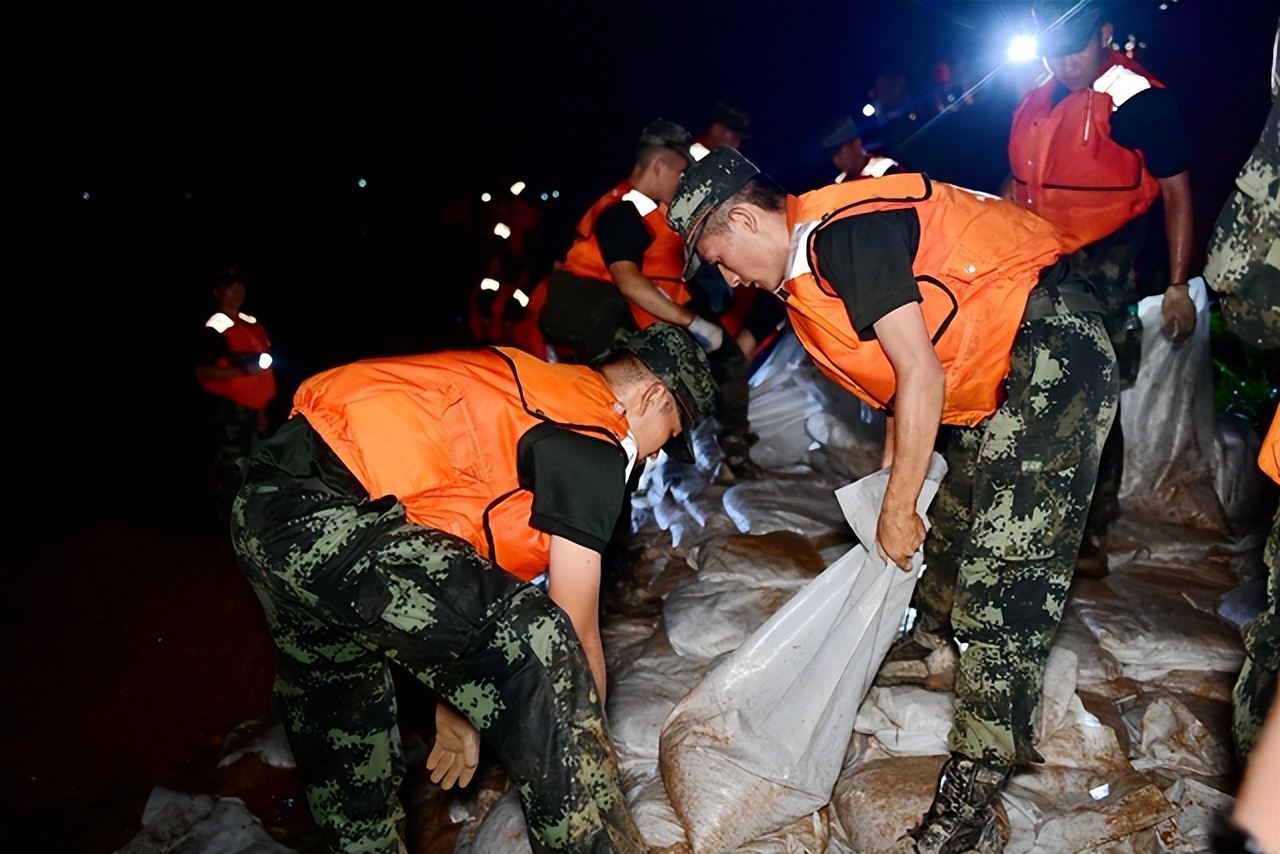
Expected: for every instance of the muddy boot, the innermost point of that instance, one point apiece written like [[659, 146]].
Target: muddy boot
[[1092, 560], [926, 655], [737, 464], [962, 817]]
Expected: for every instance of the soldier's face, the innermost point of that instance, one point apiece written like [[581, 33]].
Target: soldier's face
[[1077, 71], [745, 253]]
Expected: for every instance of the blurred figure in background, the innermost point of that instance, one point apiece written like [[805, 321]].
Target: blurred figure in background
[[843, 146], [233, 363]]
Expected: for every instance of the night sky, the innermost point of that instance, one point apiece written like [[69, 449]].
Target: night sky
[[218, 132]]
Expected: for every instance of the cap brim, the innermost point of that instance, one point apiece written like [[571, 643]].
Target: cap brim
[[1062, 43]]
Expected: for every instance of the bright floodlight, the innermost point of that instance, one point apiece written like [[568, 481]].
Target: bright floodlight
[[264, 360], [517, 188], [502, 230], [869, 110], [1022, 49], [487, 284]]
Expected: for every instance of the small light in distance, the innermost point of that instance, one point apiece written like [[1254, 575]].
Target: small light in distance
[[1022, 49], [85, 195], [264, 360], [555, 194], [517, 188], [521, 297], [869, 110], [487, 284], [485, 197], [362, 183], [502, 230], [544, 197]]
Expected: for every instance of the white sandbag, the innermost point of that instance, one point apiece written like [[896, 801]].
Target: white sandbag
[[801, 506], [1168, 423], [760, 741]]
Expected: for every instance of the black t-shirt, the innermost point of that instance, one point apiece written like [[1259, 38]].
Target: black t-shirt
[[209, 346], [621, 234], [1151, 123], [867, 259], [578, 483]]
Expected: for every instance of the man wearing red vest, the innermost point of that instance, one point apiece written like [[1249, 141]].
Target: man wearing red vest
[[233, 363], [1090, 150], [623, 272], [404, 512], [943, 306]]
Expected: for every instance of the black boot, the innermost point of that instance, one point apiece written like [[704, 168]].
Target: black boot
[[961, 819]]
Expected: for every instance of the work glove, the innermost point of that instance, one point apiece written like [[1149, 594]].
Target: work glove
[[708, 335], [456, 752]]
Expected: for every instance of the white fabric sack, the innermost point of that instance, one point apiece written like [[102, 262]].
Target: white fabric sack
[[1168, 424], [760, 741]]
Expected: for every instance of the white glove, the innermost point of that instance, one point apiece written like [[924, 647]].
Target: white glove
[[707, 334]]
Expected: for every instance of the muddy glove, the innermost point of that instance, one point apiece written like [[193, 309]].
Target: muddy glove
[[707, 334], [456, 752]]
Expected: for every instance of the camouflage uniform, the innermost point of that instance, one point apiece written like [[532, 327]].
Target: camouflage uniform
[[1243, 264], [1256, 686], [1007, 523], [346, 584], [1108, 264], [233, 428], [1243, 267]]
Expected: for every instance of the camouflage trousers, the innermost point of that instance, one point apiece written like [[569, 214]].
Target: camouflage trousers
[[233, 430], [1006, 527], [347, 585], [1255, 688], [1108, 264], [1243, 263]]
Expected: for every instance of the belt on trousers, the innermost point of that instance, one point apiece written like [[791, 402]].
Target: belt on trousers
[[1060, 293]]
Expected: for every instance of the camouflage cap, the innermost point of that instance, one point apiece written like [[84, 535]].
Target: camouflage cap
[[665, 134], [1064, 27], [702, 188], [672, 354]]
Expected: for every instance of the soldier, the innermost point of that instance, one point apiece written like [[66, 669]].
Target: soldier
[[403, 513], [943, 306], [622, 272], [1243, 267], [1090, 150]]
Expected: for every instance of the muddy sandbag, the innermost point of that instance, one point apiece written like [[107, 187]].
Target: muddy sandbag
[[759, 743]]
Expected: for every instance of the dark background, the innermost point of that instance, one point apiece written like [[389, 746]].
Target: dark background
[[151, 141], [155, 140]]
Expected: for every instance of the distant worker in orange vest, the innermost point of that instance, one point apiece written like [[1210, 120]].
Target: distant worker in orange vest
[[1090, 150], [623, 272], [844, 147], [233, 363]]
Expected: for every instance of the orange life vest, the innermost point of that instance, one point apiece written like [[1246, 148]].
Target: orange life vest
[[663, 262], [1065, 166], [1269, 459], [244, 336], [978, 259], [441, 432]]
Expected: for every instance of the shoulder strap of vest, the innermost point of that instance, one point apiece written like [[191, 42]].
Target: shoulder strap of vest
[[542, 416]]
